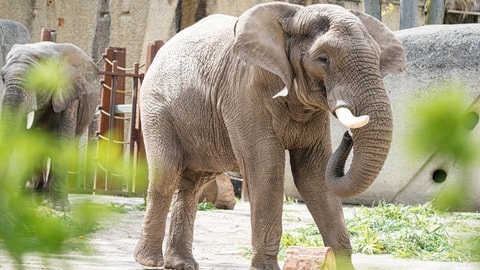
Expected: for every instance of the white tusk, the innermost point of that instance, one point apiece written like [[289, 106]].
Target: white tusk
[[282, 93], [30, 117], [346, 117]]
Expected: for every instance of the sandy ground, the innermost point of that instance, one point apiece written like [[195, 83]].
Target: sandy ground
[[220, 238]]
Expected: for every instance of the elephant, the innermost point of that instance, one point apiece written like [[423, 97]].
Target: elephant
[[64, 114], [232, 94]]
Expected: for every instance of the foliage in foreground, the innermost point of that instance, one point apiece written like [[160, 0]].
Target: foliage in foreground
[[442, 125], [25, 226]]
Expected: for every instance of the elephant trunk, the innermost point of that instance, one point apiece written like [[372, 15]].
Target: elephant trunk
[[370, 143], [15, 105]]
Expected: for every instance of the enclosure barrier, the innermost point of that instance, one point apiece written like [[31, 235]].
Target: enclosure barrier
[[117, 159], [111, 156]]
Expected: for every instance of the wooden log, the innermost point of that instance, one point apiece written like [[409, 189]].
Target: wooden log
[[310, 258]]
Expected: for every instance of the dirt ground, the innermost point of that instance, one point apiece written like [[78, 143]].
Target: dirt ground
[[220, 238]]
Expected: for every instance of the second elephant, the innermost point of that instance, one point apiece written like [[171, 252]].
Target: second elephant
[[62, 113]]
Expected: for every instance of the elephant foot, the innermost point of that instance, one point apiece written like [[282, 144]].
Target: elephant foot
[[266, 267], [178, 262], [269, 264], [148, 253]]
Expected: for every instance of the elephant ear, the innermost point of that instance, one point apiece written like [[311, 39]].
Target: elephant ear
[[392, 58], [260, 39], [81, 72]]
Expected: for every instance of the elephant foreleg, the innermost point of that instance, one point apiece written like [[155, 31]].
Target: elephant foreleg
[[64, 127], [308, 169]]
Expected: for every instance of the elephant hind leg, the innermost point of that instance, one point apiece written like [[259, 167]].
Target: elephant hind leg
[[164, 175], [179, 246]]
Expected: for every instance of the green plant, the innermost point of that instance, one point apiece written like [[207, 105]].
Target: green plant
[[26, 227], [442, 126], [290, 201], [205, 206], [420, 232], [118, 207]]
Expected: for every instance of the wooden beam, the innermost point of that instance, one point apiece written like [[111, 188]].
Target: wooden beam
[[373, 8], [408, 13], [435, 11]]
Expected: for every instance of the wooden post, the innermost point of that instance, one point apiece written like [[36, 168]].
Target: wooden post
[[310, 258], [408, 13], [373, 8], [140, 179], [48, 35], [435, 10], [106, 155]]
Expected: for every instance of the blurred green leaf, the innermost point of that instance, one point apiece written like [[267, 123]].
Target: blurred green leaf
[[48, 75]]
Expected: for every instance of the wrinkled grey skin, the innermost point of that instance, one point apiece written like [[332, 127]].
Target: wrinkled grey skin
[[11, 32], [207, 107], [63, 113]]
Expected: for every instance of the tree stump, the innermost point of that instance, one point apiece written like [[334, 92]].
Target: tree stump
[[310, 258]]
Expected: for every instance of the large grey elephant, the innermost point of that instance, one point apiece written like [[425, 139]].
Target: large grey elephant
[[63, 113], [233, 93]]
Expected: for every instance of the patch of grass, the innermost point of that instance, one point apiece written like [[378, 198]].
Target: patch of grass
[[118, 207], [290, 201], [205, 206], [304, 236], [419, 232], [143, 205]]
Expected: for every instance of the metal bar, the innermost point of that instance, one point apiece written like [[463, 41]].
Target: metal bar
[[133, 129], [475, 13], [119, 73], [111, 125], [125, 108]]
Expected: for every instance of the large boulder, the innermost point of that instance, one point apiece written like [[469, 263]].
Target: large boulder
[[11, 32], [436, 54]]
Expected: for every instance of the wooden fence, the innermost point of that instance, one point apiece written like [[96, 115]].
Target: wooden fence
[[111, 158]]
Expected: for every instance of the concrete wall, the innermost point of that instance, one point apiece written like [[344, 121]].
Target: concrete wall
[[95, 24]]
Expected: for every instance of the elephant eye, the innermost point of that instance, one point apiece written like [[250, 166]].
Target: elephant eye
[[324, 60]]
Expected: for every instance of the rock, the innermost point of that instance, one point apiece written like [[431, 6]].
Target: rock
[[220, 192]]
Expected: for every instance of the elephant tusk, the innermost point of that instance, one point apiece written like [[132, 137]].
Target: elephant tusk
[[282, 93], [346, 117], [30, 117]]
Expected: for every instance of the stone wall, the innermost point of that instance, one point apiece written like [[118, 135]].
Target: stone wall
[[95, 24]]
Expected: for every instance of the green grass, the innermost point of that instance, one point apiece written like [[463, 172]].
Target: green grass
[[206, 206], [419, 232]]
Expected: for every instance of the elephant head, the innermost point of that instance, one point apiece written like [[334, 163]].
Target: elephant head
[[333, 59]]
